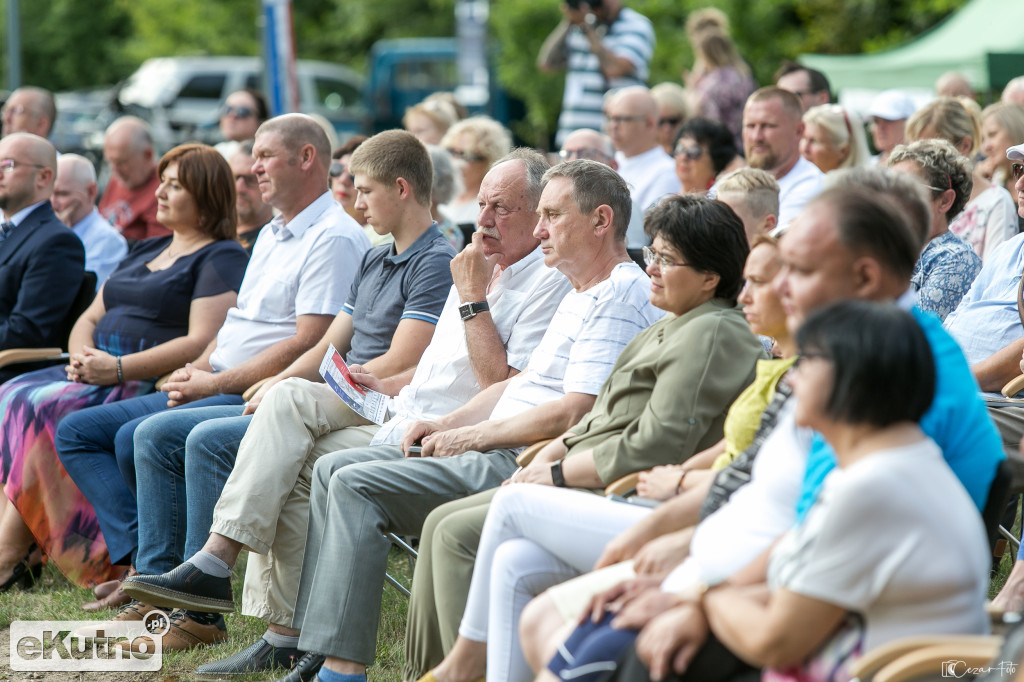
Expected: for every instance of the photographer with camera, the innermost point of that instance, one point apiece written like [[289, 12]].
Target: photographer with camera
[[603, 46]]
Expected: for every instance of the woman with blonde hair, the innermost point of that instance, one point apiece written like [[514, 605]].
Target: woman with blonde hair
[[475, 144], [990, 217], [430, 120], [833, 138], [673, 111], [720, 90], [1002, 126]]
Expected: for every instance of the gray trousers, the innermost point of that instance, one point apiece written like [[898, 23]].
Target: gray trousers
[[1010, 422], [356, 496]]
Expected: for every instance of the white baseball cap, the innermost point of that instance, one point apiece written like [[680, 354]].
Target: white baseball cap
[[1015, 153], [892, 105]]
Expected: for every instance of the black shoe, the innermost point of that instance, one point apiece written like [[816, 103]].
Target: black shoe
[[185, 587], [25, 573], [306, 669], [261, 656]]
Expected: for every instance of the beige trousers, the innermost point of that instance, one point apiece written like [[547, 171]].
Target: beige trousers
[[265, 502]]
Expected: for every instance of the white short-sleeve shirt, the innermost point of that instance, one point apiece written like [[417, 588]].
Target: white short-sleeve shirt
[[586, 335], [895, 538], [521, 302], [304, 267]]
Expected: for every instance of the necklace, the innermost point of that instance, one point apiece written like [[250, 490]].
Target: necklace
[[186, 250]]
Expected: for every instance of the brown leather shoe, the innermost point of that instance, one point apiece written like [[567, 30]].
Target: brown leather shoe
[[103, 589], [112, 598], [185, 633], [132, 612]]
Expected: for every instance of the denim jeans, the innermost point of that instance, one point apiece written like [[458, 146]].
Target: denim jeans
[[96, 448], [182, 460]]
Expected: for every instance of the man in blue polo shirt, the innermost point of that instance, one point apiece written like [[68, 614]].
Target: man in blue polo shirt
[[184, 457]]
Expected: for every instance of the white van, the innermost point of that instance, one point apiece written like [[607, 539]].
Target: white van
[[185, 92]]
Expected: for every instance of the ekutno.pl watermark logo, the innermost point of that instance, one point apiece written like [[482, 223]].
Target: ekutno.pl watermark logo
[[88, 645]]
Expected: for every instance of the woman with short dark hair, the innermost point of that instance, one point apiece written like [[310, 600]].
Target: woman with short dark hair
[[160, 308], [869, 563], [665, 400], [703, 150]]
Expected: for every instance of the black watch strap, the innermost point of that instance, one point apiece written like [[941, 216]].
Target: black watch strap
[[470, 310], [557, 477]]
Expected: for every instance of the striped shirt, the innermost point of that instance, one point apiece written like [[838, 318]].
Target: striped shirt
[[630, 36], [586, 335]]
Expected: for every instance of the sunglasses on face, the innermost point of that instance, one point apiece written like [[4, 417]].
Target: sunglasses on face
[[237, 112], [670, 121], [338, 170], [1017, 170], [690, 153], [467, 156]]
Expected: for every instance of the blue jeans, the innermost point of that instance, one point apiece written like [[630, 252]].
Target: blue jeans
[[182, 460], [96, 448]]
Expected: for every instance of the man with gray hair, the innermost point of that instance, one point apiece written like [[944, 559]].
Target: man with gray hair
[[74, 199], [41, 262], [29, 110], [129, 200], [358, 493]]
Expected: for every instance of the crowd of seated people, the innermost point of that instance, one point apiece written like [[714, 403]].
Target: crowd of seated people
[[808, 337]]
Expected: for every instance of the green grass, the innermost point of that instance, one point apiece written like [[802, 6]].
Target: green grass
[[54, 598]]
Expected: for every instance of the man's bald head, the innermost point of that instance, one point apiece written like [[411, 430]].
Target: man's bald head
[[29, 110], [74, 192], [589, 144], [128, 148], [31, 179], [632, 120]]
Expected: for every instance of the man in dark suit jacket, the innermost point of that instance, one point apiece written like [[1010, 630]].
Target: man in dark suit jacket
[[42, 262]]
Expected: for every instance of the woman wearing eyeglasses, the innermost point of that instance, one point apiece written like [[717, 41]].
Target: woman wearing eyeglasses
[[475, 144], [242, 113], [947, 266], [990, 216], [833, 138], [665, 400], [673, 110], [703, 150]]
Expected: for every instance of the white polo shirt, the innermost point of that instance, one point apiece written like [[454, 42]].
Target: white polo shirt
[[304, 267], [522, 302], [803, 182]]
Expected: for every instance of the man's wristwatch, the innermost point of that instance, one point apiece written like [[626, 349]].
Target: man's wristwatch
[[470, 310], [557, 477]]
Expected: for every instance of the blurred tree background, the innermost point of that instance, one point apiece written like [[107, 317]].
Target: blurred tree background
[[71, 44]]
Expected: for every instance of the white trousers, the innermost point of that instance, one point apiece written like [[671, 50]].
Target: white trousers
[[534, 537]]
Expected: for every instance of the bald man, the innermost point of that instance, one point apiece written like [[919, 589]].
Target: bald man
[[129, 202], [631, 118], [29, 110], [74, 202], [41, 262]]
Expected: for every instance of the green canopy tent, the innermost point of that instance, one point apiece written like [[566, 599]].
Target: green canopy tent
[[984, 41]]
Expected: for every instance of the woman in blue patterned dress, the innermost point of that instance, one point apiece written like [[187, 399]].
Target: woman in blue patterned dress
[[948, 265], [159, 309]]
